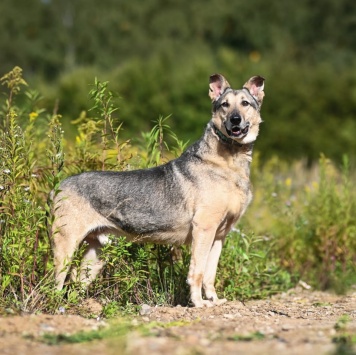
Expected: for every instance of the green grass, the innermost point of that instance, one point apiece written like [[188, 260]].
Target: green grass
[[115, 330], [345, 339], [118, 328], [248, 337], [301, 224]]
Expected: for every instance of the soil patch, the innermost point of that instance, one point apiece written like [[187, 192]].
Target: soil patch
[[297, 322]]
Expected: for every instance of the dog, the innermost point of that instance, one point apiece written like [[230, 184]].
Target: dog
[[195, 199]]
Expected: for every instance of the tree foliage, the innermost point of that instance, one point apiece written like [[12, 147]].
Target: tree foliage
[[158, 54]]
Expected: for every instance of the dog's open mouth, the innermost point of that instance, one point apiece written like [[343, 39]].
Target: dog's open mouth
[[237, 131]]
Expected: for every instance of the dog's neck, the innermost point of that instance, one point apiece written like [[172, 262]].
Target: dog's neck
[[237, 156]]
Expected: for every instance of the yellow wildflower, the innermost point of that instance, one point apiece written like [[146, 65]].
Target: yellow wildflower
[[33, 116], [80, 138]]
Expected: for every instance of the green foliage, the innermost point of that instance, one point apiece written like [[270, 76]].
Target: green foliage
[[248, 337], [103, 103], [342, 322], [119, 31], [157, 146], [13, 80], [309, 219], [159, 56], [136, 274], [303, 105], [25, 254], [103, 130], [331, 227], [246, 269], [300, 224], [345, 338], [117, 329]]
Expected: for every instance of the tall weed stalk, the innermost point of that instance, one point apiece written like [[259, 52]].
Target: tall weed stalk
[[22, 218]]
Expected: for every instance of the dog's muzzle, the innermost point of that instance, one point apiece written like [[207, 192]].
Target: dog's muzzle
[[236, 127]]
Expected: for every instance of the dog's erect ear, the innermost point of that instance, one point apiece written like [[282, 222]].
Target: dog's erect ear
[[255, 86], [217, 85]]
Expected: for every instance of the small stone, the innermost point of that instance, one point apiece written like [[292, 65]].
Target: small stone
[[287, 327], [304, 285], [205, 342], [47, 328], [228, 316], [145, 310], [267, 330], [61, 310]]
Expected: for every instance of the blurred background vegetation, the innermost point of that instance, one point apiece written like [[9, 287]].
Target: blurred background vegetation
[[158, 55]]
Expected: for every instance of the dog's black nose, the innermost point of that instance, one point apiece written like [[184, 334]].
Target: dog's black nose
[[235, 120]]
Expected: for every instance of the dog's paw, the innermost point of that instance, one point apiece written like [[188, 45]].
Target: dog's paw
[[219, 301], [213, 297], [203, 303], [209, 303]]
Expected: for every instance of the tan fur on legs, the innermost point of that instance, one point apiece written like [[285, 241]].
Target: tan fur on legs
[[203, 239], [63, 255], [75, 221], [210, 273]]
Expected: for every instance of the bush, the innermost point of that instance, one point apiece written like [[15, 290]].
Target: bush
[[308, 215]]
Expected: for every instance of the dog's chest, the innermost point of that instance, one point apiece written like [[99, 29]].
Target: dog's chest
[[226, 195], [240, 177], [235, 205], [239, 197]]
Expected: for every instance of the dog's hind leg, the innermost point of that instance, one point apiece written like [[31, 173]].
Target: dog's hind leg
[[91, 263], [210, 272], [74, 221], [63, 255]]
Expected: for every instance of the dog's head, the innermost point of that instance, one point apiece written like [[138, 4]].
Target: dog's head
[[236, 113]]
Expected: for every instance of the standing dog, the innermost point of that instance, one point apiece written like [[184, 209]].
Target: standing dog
[[196, 198]]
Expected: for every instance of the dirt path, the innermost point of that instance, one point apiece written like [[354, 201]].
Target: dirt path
[[299, 322]]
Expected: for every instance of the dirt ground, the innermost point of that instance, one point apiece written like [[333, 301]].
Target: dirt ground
[[298, 322]]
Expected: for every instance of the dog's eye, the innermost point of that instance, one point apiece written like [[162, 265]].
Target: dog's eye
[[245, 103], [225, 104]]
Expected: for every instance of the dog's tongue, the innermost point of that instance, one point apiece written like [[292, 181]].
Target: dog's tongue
[[235, 130]]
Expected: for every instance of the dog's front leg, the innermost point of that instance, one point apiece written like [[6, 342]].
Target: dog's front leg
[[210, 272], [201, 245]]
